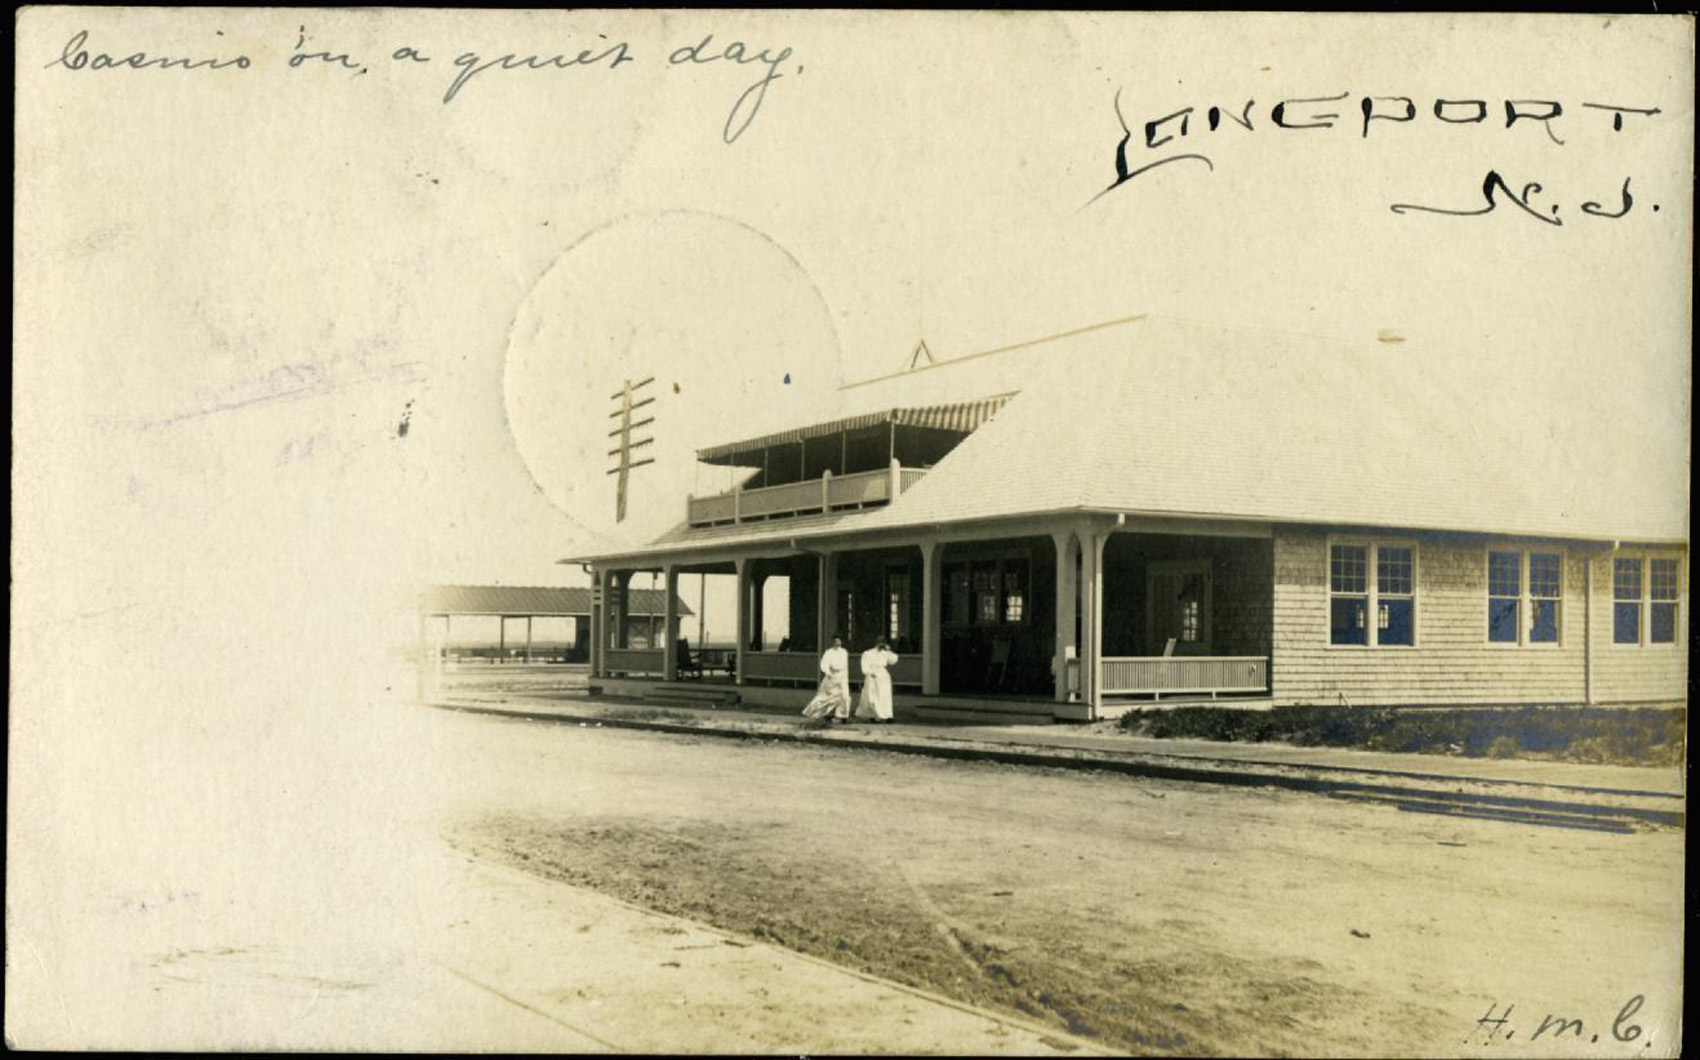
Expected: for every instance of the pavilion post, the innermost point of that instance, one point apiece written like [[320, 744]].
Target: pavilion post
[[741, 622], [1092, 614], [932, 616], [1068, 593], [598, 619], [669, 624], [828, 610]]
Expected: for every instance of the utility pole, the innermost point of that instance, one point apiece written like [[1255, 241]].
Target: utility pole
[[627, 443]]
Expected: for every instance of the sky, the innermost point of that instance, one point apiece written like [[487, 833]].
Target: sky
[[294, 341]]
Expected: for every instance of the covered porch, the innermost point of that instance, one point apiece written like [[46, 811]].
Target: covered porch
[[1073, 619]]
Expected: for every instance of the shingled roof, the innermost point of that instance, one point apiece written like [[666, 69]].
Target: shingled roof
[[1169, 418]]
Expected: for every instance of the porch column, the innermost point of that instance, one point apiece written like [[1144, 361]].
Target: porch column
[[932, 616], [527, 638], [741, 621], [828, 608], [1092, 616], [670, 624], [758, 609], [502, 639], [1068, 592], [622, 609], [598, 601]]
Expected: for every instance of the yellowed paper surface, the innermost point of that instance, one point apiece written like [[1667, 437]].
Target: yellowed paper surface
[[312, 308]]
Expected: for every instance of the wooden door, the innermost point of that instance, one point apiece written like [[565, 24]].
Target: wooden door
[[1177, 607]]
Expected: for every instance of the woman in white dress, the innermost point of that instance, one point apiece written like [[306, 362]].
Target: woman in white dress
[[876, 682], [833, 696]]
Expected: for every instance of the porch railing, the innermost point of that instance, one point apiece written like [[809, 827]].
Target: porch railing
[[827, 493], [781, 665], [1133, 675], [632, 661], [804, 667]]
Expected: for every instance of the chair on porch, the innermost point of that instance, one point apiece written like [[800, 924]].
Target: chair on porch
[[686, 663]]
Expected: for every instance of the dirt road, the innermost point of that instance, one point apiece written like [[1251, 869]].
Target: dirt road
[[1154, 917]]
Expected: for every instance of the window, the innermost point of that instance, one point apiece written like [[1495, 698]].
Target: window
[[847, 616], [1626, 600], [1505, 596], [1390, 595], [1661, 627], [1348, 590], [896, 605], [1644, 609], [1395, 595], [987, 602], [1190, 616], [1546, 596], [1014, 592], [988, 590], [1525, 597]]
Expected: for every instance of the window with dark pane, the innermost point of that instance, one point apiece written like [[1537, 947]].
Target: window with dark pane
[[1662, 588], [1348, 568], [1348, 582], [1015, 592], [1346, 623], [986, 601], [1626, 597], [897, 605], [1191, 603], [1394, 585], [1505, 595], [1546, 593]]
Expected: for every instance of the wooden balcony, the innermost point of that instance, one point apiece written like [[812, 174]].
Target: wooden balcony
[[829, 493], [1195, 675]]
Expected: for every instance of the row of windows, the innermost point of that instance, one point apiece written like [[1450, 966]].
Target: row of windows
[[1525, 596], [986, 592]]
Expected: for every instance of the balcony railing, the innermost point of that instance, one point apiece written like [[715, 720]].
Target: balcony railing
[[1185, 675], [825, 494]]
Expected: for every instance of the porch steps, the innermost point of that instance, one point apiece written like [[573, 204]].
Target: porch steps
[[967, 714], [692, 697]]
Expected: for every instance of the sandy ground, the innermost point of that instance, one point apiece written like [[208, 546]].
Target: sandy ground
[[183, 898], [1153, 917], [313, 867]]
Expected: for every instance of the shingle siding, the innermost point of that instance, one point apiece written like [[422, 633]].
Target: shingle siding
[[1637, 672], [1452, 660]]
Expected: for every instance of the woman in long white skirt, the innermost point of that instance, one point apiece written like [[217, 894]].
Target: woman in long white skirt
[[833, 696], [876, 682]]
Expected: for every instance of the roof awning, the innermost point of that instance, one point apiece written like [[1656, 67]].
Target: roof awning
[[964, 416], [542, 601]]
